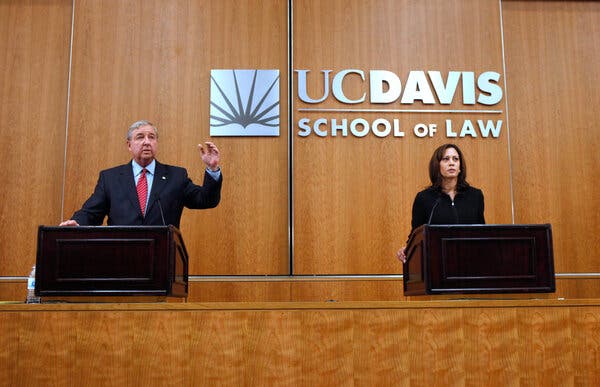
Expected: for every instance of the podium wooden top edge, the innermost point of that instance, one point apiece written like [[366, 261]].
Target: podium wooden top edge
[[87, 228], [486, 225]]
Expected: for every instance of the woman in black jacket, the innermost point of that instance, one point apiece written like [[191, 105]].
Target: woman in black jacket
[[449, 199]]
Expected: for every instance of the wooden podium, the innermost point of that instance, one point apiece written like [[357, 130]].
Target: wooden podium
[[444, 259], [111, 261]]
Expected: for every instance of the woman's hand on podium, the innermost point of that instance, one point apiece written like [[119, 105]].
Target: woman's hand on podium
[[69, 222], [401, 254]]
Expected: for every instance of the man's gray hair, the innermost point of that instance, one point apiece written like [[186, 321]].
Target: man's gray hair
[[139, 124]]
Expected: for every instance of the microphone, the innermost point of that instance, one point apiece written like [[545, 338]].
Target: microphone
[[433, 209], [162, 215]]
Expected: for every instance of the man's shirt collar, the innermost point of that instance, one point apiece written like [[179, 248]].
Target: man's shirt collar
[[137, 169]]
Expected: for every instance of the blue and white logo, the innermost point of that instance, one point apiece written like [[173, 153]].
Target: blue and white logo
[[244, 102]]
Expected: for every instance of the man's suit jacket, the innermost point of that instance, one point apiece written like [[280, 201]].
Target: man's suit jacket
[[115, 196]]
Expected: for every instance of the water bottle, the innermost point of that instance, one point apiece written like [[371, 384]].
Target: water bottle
[[31, 297]]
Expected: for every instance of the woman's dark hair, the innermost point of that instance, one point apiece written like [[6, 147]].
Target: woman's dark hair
[[434, 168]]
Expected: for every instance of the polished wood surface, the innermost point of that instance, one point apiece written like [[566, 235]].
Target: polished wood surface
[[153, 62], [553, 119], [34, 63], [353, 196], [411, 343]]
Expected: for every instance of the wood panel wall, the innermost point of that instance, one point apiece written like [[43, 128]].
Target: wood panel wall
[[34, 69], [153, 62], [352, 196], [553, 76]]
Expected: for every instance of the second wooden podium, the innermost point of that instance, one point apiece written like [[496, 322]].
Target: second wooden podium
[[445, 259]]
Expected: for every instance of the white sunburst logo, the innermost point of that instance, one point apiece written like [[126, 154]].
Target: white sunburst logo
[[244, 102]]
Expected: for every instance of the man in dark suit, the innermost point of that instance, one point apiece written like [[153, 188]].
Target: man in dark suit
[[146, 192]]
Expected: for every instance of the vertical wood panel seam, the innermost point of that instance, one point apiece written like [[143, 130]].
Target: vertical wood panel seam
[[290, 138], [67, 110], [510, 162]]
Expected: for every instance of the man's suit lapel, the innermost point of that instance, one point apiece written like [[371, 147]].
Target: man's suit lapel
[[158, 183], [128, 183]]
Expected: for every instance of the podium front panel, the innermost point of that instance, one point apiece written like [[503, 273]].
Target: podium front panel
[[116, 261], [480, 259]]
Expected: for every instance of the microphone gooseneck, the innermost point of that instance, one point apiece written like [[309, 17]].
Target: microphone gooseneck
[[162, 215], [433, 209]]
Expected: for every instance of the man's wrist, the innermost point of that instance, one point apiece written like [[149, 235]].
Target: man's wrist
[[216, 175]]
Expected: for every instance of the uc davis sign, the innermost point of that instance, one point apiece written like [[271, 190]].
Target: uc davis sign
[[385, 93]]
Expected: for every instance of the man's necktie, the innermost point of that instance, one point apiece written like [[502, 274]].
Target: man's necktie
[[142, 191]]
